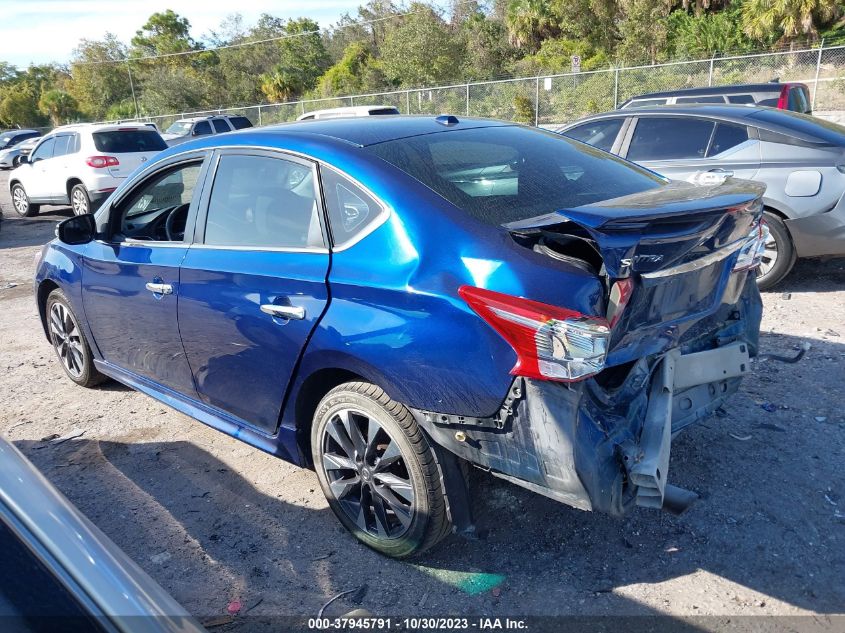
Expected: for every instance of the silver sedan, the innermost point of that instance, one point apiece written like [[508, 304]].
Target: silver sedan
[[800, 159]]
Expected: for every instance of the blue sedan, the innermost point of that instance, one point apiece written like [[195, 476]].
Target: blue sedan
[[386, 299]]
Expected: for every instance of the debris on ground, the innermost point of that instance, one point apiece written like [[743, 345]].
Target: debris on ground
[[234, 607], [769, 406], [160, 558], [741, 438]]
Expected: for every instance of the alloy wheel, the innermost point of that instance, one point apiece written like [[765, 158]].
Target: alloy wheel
[[79, 202], [20, 201], [367, 474], [769, 257], [67, 340]]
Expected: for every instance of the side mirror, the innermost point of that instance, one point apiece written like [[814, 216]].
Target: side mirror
[[79, 229]]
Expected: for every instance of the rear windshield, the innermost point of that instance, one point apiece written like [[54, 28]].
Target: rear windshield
[[126, 141], [511, 173], [384, 111], [804, 125]]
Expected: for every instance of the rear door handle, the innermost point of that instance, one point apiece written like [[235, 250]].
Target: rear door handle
[[160, 289], [727, 173], [284, 312]]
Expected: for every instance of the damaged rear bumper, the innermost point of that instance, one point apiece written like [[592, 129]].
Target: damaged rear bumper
[[604, 444]]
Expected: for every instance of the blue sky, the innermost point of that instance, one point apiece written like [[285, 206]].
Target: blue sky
[[38, 31]]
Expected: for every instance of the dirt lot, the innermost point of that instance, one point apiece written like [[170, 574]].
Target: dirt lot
[[212, 519]]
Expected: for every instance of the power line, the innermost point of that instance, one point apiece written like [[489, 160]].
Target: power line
[[269, 39]]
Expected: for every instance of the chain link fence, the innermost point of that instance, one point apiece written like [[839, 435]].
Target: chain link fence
[[559, 98]]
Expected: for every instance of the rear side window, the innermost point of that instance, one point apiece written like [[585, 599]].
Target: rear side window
[[599, 134], [740, 99], [220, 126], [727, 136], [260, 201], [351, 209], [503, 174], [701, 99], [670, 138], [128, 141], [240, 122]]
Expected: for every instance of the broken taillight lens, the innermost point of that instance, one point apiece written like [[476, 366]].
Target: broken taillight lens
[[551, 343], [751, 253]]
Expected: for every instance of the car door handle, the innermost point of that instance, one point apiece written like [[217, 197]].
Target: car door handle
[[160, 289], [727, 173], [284, 312]]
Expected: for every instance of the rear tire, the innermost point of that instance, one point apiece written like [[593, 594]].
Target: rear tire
[[779, 256], [80, 201], [21, 203], [378, 471], [69, 341]]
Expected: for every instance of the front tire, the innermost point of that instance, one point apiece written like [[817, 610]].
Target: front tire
[[80, 201], [69, 342], [377, 470], [779, 254], [21, 203]]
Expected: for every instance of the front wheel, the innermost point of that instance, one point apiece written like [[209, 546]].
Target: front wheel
[[377, 470], [778, 256], [21, 203], [69, 341]]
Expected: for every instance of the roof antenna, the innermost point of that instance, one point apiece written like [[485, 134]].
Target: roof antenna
[[447, 119]]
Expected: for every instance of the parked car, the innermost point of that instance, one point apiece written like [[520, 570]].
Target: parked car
[[10, 158], [80, 165], [783, 96], [352, 111], [68, 575], [185, 129], [383, 298], [10, 138], [800, 159]]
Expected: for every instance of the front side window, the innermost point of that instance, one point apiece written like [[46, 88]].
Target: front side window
[[351, 209], [263, 202], [202, 128], [670, 138], [158, 209], [599, 134], [501, 174], [44, 150]]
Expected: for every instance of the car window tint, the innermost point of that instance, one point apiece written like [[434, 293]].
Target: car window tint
[[701, 99], [599, 134], [797, 100], [62, 145], [170, 191], [351, 209], [501, 174], [44, 150], [220, 126], [127, 141], [740, 99], [202, 128], [263, 202], [727, 136], [668, 138], [240, 122]]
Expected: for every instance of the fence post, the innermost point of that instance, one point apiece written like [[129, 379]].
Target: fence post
[[536, 101], [302, 106], [816, 82], [467, 99], [710, 80], [407, 102], [259, 116], [616, 88], [351, 101]]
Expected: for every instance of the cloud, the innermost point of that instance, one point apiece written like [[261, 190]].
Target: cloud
[[40, 31]]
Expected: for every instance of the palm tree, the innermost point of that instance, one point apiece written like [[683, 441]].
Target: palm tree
[[529, 22], [280, 86], [794, 18]]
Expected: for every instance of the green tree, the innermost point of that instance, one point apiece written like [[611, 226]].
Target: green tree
[[789, 18], [59, 106], [100, 77], [529, 22], [164, 33], [19, 108], [421, 50], [302, 58], [644, 30], [356, 72], [487, 53], [691, 36]]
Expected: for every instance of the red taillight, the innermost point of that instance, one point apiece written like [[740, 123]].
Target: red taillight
[[620, 294], [98, 162], [783, 99], [551, 343]]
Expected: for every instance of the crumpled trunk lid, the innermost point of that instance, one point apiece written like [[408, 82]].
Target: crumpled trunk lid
[[677, 244]]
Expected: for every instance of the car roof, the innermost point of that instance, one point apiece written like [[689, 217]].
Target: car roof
[[364, 131], [802, 126], [717, 90]]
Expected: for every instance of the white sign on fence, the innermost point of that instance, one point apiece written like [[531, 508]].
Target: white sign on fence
[[576, 63]]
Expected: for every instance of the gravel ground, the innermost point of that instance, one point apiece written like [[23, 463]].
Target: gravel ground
[[213, 520]]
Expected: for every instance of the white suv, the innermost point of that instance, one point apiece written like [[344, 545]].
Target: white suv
[[184, 129], [81, 165]]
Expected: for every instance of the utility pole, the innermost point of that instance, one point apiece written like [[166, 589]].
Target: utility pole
[[132, 86]]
